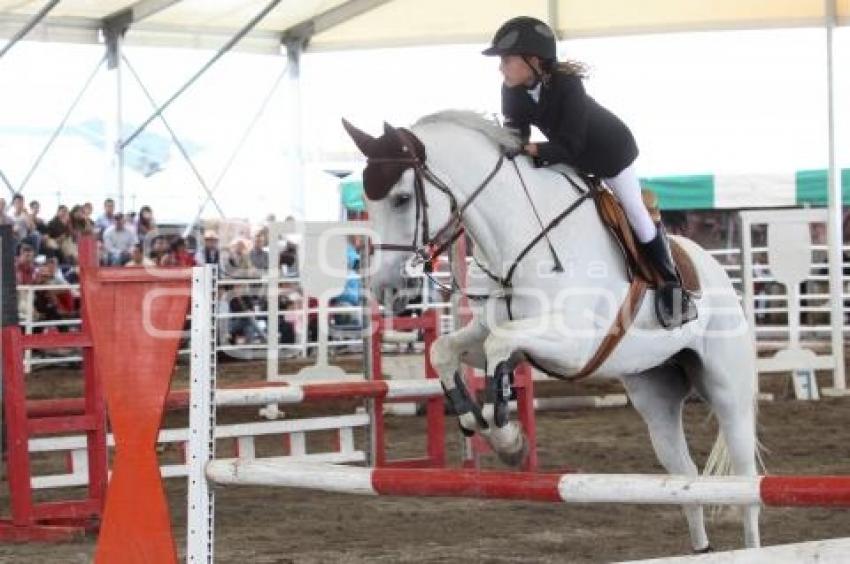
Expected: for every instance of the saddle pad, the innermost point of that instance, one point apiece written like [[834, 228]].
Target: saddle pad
[[612, 215], [685, 265]]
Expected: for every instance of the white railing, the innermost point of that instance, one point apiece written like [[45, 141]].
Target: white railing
[[298, 316]]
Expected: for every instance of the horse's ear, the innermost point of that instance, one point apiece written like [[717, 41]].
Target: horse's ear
[[364, 141], [388, 129]]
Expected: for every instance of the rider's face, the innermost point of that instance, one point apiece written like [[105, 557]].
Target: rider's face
[[516, 71]]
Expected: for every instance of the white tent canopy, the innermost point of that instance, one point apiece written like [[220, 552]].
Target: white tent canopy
[[341, 24]]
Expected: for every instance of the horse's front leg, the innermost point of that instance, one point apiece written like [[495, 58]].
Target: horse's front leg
[[466, 344], [504, 436]]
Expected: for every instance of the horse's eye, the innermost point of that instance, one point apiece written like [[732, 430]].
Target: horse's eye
[[401, 200]]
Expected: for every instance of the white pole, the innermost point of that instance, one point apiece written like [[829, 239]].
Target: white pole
[[118, 159], [748, 287], [294, 50], [201, 498], [834, 221], [273, 293]]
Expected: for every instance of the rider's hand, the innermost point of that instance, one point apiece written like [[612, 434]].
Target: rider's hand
[[530, 149]]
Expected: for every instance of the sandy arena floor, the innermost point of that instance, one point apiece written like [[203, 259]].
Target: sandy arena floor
[[263, 526]]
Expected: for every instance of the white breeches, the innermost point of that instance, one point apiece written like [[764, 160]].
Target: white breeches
[[627, 189]]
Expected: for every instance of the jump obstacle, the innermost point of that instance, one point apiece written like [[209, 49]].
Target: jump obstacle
[[101, 288], [206, 471], [293, 432], [136, 489]]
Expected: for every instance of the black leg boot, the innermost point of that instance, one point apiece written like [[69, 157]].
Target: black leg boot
[[673, 306]]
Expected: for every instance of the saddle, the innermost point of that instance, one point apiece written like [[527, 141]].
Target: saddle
[[641, 274], [614, 218]]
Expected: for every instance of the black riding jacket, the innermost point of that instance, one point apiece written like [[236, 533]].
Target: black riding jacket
[[580, 132]]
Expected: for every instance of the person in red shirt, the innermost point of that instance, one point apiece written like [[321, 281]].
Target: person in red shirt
[[179, 255], [25, 265]]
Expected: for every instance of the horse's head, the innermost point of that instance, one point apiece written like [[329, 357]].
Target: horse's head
[[392, 203]]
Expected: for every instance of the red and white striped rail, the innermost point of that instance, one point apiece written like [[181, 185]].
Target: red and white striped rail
[[299, 393], [782, 491]]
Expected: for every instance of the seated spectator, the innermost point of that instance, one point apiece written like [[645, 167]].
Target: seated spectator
[[209, 253], [22, 224], [259, 256], [237, 263], [118, 241], [79, 225], [59, 241], [25, 265], [53, 304], [138, 258], [242, 329], [88, 210], [40, 225], [192, 245], [289, 259], [146, 223], [178, 255], [107, 219], [158, 249]]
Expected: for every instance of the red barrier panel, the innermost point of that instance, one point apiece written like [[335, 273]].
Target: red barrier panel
[[140, 315]]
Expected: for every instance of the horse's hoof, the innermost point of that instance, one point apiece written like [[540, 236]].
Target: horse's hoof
[[515, 458], [705, 550], [466, 432]]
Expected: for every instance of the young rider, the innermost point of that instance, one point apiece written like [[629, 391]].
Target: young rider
[[538, 90]]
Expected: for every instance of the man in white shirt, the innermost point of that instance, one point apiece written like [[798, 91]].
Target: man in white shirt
[[118, 242], [106, 220]]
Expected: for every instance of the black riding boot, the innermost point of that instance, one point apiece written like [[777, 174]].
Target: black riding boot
[[673, 305]]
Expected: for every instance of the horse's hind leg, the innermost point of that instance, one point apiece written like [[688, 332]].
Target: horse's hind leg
[[659, 395], [446, 355], [731, 394]]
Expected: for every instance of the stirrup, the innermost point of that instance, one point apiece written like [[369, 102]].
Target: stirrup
[[686, 310]]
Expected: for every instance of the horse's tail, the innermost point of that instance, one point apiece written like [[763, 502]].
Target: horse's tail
[[719, 463]]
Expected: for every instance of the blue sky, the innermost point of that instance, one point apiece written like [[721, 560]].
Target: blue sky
[[703, 102]]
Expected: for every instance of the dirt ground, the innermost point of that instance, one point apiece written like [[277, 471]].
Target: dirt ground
[[263, 526]]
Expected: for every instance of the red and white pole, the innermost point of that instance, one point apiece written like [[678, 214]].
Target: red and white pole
[[780, 491]]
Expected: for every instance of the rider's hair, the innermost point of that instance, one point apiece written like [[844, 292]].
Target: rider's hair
[[570, 66]]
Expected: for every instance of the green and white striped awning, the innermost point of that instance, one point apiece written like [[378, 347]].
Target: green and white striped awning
[[718, 191], [708, 191]]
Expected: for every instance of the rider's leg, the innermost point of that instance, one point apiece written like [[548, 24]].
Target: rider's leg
[[672, 306], [627, 189]]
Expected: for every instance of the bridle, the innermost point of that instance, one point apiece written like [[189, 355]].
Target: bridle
[[430, 248]]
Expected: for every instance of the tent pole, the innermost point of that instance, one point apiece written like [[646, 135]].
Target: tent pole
[[59, 128], [175, 139], [221, 52], [835, 216], [294, 49], [34, 21], [236, 152], [113, 33]]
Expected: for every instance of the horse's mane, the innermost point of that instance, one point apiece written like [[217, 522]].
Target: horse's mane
[[501, 136]]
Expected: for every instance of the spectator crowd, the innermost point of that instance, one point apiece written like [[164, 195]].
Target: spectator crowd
[[47, 254]]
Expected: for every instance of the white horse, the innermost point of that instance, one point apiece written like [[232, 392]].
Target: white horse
[[449, 169]]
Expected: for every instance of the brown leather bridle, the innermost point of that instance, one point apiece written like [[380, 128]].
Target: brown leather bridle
[[431, 247]]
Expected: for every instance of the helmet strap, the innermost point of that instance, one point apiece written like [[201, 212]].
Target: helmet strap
[[537, 76]]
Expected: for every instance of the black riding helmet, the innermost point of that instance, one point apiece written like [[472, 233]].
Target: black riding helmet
[[523, 36]]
